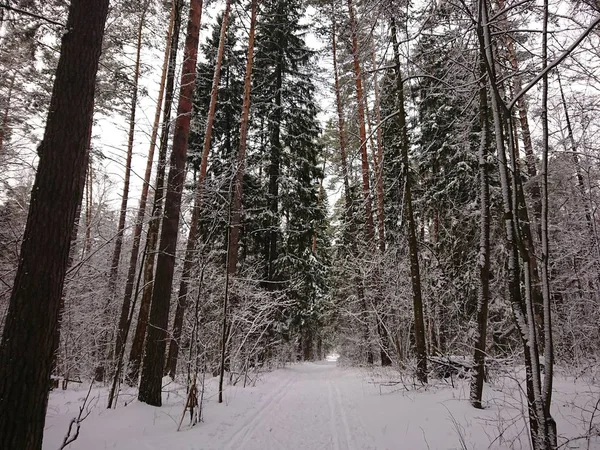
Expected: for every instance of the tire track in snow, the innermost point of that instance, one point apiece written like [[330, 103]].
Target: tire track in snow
[[347, 433], [244, 434], [332, 424]]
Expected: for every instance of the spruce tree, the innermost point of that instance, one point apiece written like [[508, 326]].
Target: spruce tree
[[285, 118]]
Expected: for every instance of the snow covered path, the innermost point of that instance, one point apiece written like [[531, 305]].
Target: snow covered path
[[308, 406]]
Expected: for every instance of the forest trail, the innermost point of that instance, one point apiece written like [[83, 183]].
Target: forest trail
[[312, 406], [309, 409]]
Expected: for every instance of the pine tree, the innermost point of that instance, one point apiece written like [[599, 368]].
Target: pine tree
[[27, 347]]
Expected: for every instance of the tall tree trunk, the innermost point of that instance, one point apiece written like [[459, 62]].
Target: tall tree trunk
[[534, 185], [483, 260], [341, 132], [89, 206], [137, 346], [27, 345], [550, 435], [379, 191], [154, 355], [370, 227], [124, 321], [522, 308], [122, 330], [378, 156], [350, 228], [238, 188], [413, 246], [188, 262]]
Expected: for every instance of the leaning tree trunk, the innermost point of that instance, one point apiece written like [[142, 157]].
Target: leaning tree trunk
[[483, 260], [413, 247], [30, 330], [137, 346], [154, 355], [188, 262]]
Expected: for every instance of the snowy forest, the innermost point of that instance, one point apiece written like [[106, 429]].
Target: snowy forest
[[299, 224]]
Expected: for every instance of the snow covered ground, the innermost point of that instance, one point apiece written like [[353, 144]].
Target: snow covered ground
[[324, 406]]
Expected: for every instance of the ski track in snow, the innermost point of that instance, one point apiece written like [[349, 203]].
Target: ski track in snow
[[332, 426], [311, 406], [265, 411]]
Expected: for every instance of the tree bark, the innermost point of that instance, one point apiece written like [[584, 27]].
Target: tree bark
[[550, 435], [370, 227], [483, 261], [413, 246], [154, 355], [127, 308], [137, 346], [28, 339], [188, 262], [378, 155], [341, 132]]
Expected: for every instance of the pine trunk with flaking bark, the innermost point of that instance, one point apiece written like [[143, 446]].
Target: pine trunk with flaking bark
[[190, 252], [238, 190], [350, 227], [378, 155], [137, 346], [379, 191], [124, 320], [483, 261], [154, 355], [26, 349], [413, 246], [341, 132], [238, 183], [370, 227]]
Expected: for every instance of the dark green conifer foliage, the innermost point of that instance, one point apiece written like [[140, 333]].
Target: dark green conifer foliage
[[288, 154]]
